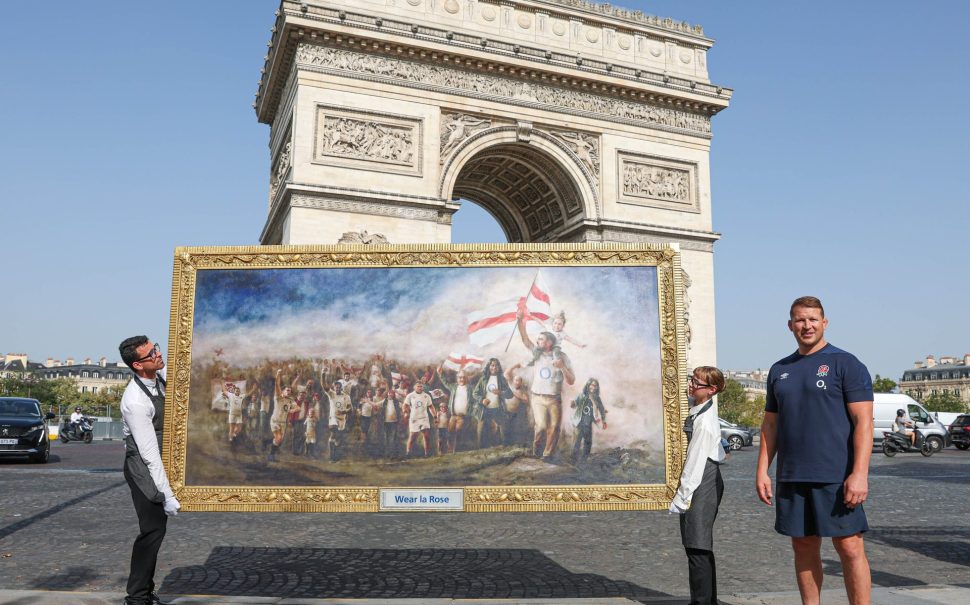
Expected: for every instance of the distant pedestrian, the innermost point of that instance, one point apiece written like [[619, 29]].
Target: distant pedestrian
[[701, 487], [818, 419], [142, 415]]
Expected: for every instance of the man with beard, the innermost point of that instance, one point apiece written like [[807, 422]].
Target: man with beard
[[391, 411], [551, 368], [589, 410], [490, 395], [459, 405], [516, 408]]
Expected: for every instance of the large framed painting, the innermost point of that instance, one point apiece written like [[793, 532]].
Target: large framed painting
[[426, 377]]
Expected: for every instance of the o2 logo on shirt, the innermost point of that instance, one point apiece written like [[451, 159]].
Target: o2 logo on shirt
[[545, 373], [823, 371]]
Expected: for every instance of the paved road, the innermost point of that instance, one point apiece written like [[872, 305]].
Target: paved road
[[68, 525]]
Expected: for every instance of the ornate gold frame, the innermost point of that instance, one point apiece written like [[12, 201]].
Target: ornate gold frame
[[190, 260]]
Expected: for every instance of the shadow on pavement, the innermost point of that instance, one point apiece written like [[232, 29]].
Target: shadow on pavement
[[833, 567], [69, 578], [19, 525], [918, 469], [390, 573], [950, 545]]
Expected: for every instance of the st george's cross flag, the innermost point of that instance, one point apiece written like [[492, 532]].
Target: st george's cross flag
[[459, 361], [497, 322]]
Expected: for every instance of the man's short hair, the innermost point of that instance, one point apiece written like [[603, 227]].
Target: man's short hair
[[806, 301], [129, 349], [711, 376]]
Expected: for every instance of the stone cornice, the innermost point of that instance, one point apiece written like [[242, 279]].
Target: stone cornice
[[361, 201], [339, 25], [636, 17]]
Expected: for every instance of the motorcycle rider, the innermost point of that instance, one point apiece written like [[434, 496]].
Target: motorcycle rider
[[76, 419], [904, 426]]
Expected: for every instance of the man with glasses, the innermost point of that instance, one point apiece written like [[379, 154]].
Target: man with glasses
[[818, 419], [142, 414]]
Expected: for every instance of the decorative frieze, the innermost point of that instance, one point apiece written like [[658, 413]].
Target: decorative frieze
[[368, 140], [451, 80], [656, 181], [382, 208]]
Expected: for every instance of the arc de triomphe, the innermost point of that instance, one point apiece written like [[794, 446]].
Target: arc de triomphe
[[568, 120]]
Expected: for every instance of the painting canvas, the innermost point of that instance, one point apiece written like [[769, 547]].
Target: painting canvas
[[529, 377]]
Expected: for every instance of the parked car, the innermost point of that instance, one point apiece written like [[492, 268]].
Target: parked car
[[960, 431], [736, 436], [23, 429]]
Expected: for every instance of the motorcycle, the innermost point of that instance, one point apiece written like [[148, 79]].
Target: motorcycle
[[893, 443], [82, 432]]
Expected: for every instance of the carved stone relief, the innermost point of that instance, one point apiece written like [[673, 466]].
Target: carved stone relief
[[508, 90], [362, 237], [280, 168], [661, 182], [586, 147], [370, 140], [456, 128]]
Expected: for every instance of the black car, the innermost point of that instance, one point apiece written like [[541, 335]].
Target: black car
[[960, 431], [23, 429]]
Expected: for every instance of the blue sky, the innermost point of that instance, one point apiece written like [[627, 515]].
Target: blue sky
[[837, 171]]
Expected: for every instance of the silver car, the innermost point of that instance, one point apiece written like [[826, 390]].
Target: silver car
[[736, 436]]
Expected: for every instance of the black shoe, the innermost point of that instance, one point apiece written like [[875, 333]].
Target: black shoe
[[154, 600]]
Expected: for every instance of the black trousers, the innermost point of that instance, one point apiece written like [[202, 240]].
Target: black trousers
[[584, 440], [152, 521], [702, 577]]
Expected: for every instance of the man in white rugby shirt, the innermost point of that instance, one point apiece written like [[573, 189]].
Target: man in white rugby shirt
[[143, 412]]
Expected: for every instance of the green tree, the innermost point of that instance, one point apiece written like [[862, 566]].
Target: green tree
[[883, 385], [734, 405], [944, 402], [98, 403], [56, 392], [732, 394]]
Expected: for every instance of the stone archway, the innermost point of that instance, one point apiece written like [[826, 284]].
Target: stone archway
[[567, 121], [536, 189]]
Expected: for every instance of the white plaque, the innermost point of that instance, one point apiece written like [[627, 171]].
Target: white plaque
[[428, 498]]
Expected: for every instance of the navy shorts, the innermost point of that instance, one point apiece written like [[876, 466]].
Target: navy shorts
[[816, 509]]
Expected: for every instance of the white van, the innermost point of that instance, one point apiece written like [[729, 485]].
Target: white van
[[884, 414]]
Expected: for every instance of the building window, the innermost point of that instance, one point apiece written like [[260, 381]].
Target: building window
[[94, 389], [946, 391], [95, 375], [956, 392], [84, 374], [84, 389]]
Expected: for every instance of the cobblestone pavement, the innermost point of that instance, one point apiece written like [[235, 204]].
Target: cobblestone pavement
[[68, 525]]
